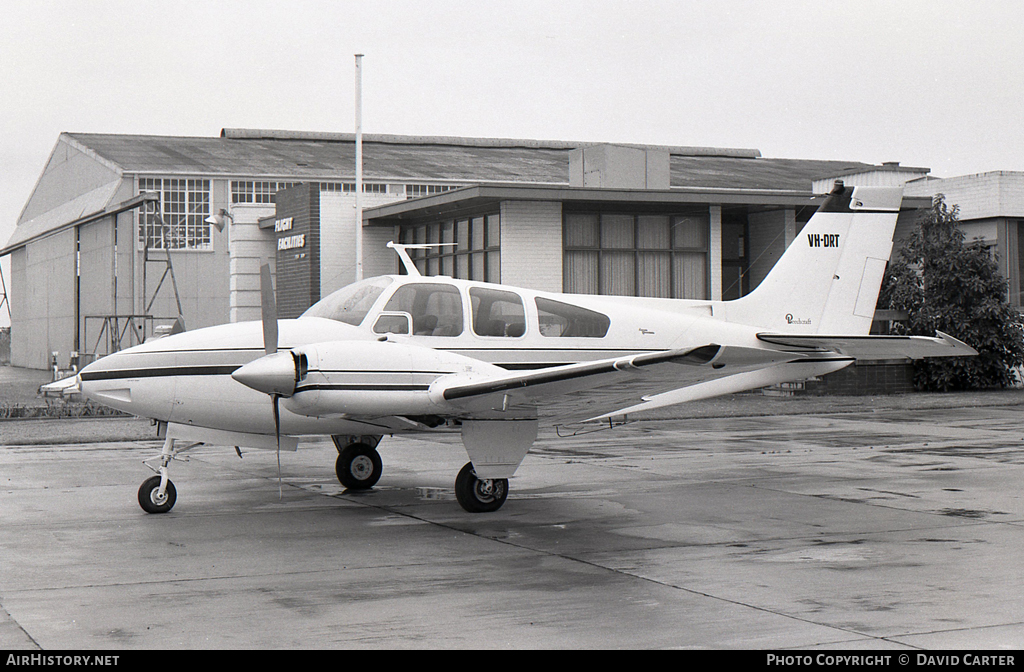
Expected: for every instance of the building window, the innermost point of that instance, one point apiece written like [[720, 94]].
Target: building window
[[419, 190], [626, 254], [735, 282], [1016, 296], [350, 187], [177, 221], [338, 187], [256, 192], [467, 248]]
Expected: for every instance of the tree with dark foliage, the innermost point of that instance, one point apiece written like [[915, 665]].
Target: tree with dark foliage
[[944, 283]]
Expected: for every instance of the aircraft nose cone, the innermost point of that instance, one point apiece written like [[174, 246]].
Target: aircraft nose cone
[[273, 374]]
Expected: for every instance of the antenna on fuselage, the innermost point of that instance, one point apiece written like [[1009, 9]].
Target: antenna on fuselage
[[407, 262]]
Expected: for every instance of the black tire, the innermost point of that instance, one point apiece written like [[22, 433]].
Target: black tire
[[358, 466], [150, 502], [479, 495]]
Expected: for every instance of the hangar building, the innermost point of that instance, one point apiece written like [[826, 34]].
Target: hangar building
[[114, 245]]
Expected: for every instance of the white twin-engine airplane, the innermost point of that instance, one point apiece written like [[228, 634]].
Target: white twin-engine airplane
[[406, 353]]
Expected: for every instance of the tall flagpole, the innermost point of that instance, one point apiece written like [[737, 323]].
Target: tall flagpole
[[359, 167]]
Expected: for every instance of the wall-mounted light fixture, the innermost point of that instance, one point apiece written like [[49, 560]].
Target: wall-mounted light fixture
[[220, 219]]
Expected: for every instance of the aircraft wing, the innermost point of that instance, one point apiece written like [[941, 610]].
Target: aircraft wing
[[561, 379], [578, 391], [875, 347], [814, 355]]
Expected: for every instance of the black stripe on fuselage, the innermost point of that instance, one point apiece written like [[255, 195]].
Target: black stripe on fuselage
[[161, 372], [362, 388], [228, 369], [380, 371]]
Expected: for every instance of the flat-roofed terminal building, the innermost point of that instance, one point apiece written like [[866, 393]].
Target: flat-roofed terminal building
[[114, 243]]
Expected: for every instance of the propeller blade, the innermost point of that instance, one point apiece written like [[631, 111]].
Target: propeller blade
[[277, 433], [268, 306]]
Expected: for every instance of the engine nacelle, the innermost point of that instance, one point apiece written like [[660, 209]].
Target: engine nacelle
[[376, 378]]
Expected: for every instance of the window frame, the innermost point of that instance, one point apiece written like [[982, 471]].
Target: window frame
[[444, 288], [628, 249], [471, 247], [183, 205], [257, 192], [495, 297], [572, 314]]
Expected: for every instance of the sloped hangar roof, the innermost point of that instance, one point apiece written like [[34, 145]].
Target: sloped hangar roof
[[324, 156], [301, 156]]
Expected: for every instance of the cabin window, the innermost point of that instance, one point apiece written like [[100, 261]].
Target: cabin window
[[561, 320], [436, 310], [350, 304], [393, 323], [497, 313]]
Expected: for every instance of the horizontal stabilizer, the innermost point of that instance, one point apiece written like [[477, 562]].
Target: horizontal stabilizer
[[61, 388], [875, 347]]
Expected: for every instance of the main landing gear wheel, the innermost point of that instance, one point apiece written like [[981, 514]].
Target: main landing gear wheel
[[478, 495], [359, 466], [150, 498]]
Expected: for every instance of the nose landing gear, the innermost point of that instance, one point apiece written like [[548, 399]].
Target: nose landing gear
[[156, 499], [157, 493]]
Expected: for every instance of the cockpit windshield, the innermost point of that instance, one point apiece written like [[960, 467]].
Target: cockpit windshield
[[350, 304]]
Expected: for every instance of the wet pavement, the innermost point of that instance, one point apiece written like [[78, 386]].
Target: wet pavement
[[892, 528]]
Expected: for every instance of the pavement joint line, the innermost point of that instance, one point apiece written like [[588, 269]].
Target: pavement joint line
[[18, 625], [964, 521], [892, 638], [194, 579]]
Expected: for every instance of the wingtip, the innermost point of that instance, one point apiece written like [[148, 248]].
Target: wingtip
[[955, 343]]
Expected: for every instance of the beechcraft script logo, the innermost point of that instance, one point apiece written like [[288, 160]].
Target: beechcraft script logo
[[823, 239]]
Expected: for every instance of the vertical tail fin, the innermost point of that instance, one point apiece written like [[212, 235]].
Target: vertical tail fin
[[827, 281]]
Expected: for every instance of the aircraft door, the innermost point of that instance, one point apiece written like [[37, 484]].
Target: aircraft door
[[435, 309]]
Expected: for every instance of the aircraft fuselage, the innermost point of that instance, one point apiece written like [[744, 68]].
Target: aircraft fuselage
[[186, 378]]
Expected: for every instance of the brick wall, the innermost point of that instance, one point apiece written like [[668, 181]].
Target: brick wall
[[298, 268], [531, 244], [993, 194], [882, 377]]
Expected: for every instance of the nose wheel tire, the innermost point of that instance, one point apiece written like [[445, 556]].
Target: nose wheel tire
[[150, 498], [358, 466], [478, 495]]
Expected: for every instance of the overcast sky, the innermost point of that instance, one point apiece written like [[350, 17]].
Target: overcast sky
[[932, 83]]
